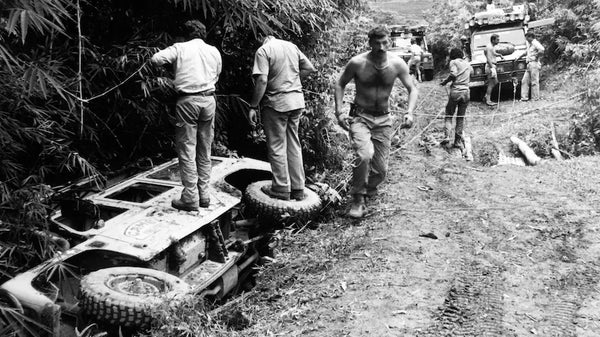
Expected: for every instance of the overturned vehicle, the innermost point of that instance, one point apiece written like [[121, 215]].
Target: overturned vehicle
[[126, 251]]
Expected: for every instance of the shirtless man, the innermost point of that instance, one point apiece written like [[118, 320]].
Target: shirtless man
[[369, 122], [490, 67]]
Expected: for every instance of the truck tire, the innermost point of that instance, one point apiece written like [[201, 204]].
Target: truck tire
[[270, 211], [127, 296]]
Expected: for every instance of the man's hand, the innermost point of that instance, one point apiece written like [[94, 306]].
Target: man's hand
[[407, 121], [252, 115], [343, 121]]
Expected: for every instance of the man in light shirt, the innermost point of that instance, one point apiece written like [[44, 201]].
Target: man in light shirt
[[415, 58], [278, 66], [458, 98], [531, 78], [197, 66]]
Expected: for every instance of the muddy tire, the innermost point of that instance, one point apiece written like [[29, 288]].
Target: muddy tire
[[272, 211], [127, 296]]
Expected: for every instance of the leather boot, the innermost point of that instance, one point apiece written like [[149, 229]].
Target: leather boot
[[358, 209], [184, 206]]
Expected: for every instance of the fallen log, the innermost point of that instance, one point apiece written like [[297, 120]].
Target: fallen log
[[555, 149], [468, 148], [528, 153]]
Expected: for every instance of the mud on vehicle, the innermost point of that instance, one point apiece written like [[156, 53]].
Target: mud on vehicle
[[401, 36], [126, 251], [510, 24]]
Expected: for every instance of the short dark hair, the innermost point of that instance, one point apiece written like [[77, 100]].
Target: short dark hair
[[494, 37], [456, 53], [195, 29], [530, 34], [378, 32]]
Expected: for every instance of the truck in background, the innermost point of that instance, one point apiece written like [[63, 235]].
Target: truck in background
[[510, 24], [401, 36]]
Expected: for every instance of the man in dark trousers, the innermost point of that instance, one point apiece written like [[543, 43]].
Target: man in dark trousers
[[370, 124], [197, 66], [278, 66]]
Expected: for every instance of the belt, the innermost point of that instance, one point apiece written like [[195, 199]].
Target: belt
[[355, 109], [198, 93]]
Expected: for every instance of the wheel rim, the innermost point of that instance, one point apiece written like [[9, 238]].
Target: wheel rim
[[136, 284]]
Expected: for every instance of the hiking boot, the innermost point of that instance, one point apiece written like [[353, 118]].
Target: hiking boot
[[204, 202], [298, 195], [184, 206], [275, 194], [459, 144], [358, 209]]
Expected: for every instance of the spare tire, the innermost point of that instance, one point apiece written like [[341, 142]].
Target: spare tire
[[127, 296], [505, 48], [270, 211]]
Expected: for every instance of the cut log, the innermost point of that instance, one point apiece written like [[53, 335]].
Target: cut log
[[555, 149], [468, 148], [528, 153]]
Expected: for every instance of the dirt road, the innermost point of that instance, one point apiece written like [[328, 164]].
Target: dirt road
[[452, 248]]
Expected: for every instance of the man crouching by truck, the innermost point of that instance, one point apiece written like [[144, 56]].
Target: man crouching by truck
[[369, 122]]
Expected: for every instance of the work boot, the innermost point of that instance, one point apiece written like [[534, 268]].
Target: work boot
[[275, 194], [358, 209], [204, 201], [298, 195], [184, 206]]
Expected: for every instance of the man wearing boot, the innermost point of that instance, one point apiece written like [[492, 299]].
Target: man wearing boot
[[458, 98], [278, 65], [197, 66], [490, 68], [370, 125], [531, 78]]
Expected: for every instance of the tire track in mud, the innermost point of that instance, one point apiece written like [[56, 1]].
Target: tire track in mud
[[473, 305]]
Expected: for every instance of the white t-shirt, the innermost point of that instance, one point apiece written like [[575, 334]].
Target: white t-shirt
[[197, 65]]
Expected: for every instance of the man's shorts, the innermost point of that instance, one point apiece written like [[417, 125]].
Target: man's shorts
[[491, 73]]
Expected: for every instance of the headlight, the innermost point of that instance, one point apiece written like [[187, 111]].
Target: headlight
[[500, 69], [520, 65], [478, 71], [425, 59]]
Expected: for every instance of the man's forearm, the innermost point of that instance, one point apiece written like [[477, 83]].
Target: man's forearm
[[339, 98], [412, 101], [259, 90]]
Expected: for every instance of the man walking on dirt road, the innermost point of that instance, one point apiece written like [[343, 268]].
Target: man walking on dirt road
[[370, 125], [490, 67], [458, 98], [278, 66], [197, 67], [531, 78]]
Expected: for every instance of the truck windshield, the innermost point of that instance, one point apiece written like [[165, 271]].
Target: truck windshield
[[514, 36], [400, 42]]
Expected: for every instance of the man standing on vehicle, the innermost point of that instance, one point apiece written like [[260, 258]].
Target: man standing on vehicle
[[370, 125], [460, 73], [197, 66], [490, 67], [531, 78], [278, 66], [415, 58]]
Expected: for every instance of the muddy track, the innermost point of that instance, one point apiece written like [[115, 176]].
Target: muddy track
[[474, 304]]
